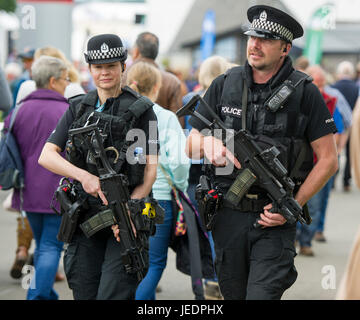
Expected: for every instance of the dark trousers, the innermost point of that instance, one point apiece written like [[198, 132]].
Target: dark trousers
[[253, 264], [94, 269]]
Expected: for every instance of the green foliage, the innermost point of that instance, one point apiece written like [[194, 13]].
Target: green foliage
[[8, 5]]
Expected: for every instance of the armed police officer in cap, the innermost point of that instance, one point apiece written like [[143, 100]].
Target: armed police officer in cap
[[276, 106], [93, 132]]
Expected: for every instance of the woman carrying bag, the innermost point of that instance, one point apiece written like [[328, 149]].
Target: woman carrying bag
[[146, 79]]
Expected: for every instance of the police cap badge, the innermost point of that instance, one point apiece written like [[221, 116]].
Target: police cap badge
[[272, 23]]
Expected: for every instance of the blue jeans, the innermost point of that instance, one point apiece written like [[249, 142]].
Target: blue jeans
[[327, 190], [158, 250], [317, 209], [46, 255]]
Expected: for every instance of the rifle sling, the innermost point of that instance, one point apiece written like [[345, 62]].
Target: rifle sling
[[244, 104], [299, 160]]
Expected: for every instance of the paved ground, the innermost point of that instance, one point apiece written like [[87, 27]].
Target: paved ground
[[319, 276]]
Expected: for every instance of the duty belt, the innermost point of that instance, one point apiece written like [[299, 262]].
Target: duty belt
[[249, 203]]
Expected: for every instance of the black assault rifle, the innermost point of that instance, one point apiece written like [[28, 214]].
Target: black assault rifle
[[115, 189], [258, 164]]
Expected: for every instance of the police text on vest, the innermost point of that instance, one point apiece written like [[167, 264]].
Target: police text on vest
[[232, 111]]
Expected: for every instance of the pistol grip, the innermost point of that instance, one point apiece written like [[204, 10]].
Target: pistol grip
[[274, 209], [256, 224]]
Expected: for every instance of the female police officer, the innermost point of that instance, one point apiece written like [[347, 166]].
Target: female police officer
[[258, 263], [93, 265]]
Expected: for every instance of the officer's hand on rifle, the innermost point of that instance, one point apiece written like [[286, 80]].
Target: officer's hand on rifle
[[271, 219], [91, 185], [217, 153], [115, 229]]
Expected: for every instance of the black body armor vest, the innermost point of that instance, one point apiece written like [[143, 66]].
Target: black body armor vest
[[118, 117], [284, 128]]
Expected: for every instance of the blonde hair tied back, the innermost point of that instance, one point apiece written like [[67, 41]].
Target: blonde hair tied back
[[142, 77]]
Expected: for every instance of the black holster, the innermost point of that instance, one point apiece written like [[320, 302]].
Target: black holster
[[208, 199], [67, 227], [71, 206]]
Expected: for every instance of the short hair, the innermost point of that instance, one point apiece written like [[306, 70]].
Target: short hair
[[316, 69], [57, 53], [142, 77], [345, 69], [211, 68], [301, 63], [49, 51], [318, 74], [148, 45], [13, 68], [46, 67]]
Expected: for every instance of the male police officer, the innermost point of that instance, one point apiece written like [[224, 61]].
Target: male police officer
[[93, 264], [258, 263]]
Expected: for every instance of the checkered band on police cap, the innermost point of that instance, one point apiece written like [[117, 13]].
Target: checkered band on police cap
[[272, 27], [108, 53]]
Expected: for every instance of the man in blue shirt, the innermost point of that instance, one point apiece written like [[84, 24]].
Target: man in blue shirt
[[346, 85]]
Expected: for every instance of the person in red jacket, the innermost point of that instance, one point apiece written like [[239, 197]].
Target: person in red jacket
[[305, 233]]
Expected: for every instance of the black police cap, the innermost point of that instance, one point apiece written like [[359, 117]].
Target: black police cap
[[272, 23], [105, 48]]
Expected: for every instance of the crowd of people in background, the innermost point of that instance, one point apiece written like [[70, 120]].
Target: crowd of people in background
[[45, 80], [340, 92]]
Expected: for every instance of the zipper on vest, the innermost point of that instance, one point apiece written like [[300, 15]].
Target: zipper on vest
[[256, 108]]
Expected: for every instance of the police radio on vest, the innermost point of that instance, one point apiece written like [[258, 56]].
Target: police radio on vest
[[280, 96]]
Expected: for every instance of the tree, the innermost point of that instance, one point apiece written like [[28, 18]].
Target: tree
[[8, 5]]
